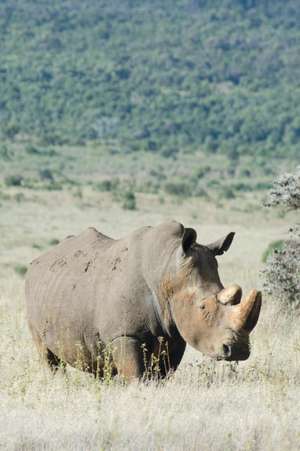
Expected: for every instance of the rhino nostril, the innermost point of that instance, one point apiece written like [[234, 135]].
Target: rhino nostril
[[226, 350]]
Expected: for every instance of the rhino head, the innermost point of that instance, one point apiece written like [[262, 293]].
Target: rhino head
[[212, 319]]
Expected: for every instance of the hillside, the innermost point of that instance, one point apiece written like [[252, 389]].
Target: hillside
[[163, 77]]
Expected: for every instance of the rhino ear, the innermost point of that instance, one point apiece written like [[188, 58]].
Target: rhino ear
[[188, 239], [222, 245]]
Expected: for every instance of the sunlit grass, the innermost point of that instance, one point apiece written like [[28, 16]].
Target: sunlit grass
[[205, 405]]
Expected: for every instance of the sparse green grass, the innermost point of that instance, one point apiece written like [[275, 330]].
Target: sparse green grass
[[189, 175]]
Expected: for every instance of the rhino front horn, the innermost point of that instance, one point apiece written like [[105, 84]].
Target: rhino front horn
[[248, 310]]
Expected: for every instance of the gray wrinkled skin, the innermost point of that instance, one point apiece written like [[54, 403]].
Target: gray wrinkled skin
[[135, 302]]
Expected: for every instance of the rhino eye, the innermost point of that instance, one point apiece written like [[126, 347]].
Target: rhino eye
[[202, 306]]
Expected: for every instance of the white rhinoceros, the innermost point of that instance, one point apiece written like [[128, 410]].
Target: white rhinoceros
[[135, 302]]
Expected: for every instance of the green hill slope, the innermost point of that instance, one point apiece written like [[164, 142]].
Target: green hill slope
[[159, 75]]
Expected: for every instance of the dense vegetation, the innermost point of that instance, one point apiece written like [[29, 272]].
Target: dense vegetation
[[159, 75]]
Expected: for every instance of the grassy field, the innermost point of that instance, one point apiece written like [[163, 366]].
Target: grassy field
[[206, 405]]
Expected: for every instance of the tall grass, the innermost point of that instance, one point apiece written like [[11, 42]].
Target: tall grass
[[206, 405]]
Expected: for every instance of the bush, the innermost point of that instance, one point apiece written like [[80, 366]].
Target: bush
[[129, 201], [37, 246], [108, 185], [32, 150], [20, 269], [202, 171], [242, 187], [46, 174], [285, 192], [282, 271], [53, 242], [13, 180], [178, 188], [228, 193], [273, 247], [262, 186], [169, 152]]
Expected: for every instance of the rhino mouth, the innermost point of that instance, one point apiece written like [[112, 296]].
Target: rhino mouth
[[239, 349], [237, 353], [244, 315]]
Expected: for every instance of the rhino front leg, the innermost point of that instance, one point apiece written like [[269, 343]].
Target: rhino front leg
[[128, 358]]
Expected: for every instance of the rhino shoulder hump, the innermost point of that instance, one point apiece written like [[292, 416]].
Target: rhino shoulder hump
[[93, 234]]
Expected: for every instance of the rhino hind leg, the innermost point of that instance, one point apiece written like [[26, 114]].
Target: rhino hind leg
[[128, 358], [46, 356], [54, 362]]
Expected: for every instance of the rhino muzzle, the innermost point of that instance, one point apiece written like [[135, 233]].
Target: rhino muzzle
[[245, 316]]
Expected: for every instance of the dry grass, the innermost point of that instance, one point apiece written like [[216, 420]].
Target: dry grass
[[206, 405]]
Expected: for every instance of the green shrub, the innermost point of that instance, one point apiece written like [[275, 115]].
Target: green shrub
[[105, 185], [262, 186], [46, 174], [169, 152], [227, 193], [32, 150], [242, 187], [108, 185], [14, 180], [53, 242], [213, 183], [20, 269], [246, 173], [129, 201], [178, 188], [37, 246], [202, 171]]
